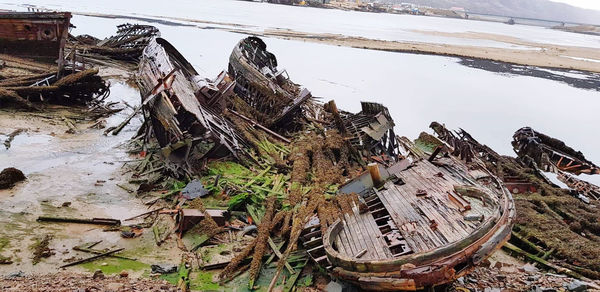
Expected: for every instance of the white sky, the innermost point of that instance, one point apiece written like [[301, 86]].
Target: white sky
[[590, 4]]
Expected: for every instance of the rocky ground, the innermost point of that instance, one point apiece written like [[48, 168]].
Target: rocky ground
[[80, 283], [502, 272]]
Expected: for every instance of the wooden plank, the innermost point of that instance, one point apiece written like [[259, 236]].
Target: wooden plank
[[393, 199], [355, 246], [417, 232], [447, 227], [379, 236], [357, 236], [371, 233], [408, 192]]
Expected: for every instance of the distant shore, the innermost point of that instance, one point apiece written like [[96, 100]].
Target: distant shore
[[540, 55], [536, 54]]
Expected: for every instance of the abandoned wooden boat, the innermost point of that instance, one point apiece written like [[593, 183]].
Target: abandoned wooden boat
[[426, 222], [262, 86], [550, 153], [177, 101], [37, 35]]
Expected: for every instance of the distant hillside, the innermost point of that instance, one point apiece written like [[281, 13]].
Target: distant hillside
[[540, 9]]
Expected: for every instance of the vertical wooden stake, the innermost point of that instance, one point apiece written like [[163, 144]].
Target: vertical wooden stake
[[375, 174]]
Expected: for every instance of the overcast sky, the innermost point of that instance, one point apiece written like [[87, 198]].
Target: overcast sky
[[591, 4]]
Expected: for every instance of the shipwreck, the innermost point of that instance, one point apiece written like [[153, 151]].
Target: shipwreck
[[428, 222], [550, 153], [404, 218], [38, 35]]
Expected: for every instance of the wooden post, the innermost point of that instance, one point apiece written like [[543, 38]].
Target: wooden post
[[375, 174]]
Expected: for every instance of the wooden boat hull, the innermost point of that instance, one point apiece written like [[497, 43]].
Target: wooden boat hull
[[428, 265]]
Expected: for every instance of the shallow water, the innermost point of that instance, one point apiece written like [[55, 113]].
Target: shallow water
[[260, 16]]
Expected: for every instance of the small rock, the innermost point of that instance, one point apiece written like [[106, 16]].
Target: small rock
[[334, 287], [492, 290], [10, 176], [104, 264], [529, 268], [461, 280], [115, 286], [66, 204], [577, 286], [98, 275], [18, 274], [163, 268], [536, 289], [124, 274]]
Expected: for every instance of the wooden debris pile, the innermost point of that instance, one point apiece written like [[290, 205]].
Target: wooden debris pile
[[261, 146], [28, 84], [33, 69], [126, 45], [551, 154]]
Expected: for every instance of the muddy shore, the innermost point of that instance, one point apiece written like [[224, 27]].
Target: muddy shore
[[68, 174]]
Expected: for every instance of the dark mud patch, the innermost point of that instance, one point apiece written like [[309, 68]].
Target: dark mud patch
[[583, 80]]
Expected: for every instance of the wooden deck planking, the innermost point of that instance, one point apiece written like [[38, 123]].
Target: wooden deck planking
[[450, 215], [400, 221], [349, 245], [374, 250], [422, 176], [411, 214], [427, 235], [417, 222], [451, 231], [354, 236], [376, 236], [361, 233]]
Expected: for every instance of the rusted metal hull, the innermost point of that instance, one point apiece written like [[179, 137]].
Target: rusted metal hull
[[38, 35]]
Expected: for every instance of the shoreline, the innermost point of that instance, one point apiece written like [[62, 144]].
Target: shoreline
[[549, 56]]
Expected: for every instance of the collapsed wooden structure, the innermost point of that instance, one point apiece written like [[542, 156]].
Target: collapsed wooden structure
[[33, 67], [176, 101], [126, 45], [269, 91], [550, 153]]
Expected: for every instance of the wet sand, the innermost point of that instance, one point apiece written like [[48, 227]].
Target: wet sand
[[83, 169], [540, 55]]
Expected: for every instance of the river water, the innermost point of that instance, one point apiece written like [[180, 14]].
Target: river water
[[418, 89]]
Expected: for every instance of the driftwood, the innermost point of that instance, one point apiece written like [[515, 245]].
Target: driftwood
[[92, 258], [144, 214], [97, 221]]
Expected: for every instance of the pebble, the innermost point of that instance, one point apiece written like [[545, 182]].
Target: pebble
[[98, 275]]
